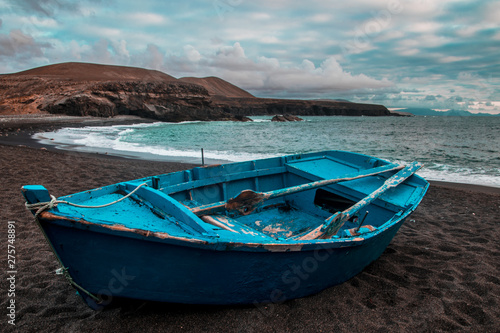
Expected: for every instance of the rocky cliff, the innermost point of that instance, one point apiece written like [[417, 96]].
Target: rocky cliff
[[100, 90]]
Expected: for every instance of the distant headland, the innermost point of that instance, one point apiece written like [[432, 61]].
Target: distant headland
[[86, 89]]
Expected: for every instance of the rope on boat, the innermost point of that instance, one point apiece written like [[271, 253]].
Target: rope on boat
[[64, 270], [41, 206]]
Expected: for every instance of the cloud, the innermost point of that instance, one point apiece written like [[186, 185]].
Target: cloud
[[153, 57], [18, 44], [328, 77], [492, 12], [76, 50], [102, 51], [146, 19], [46, 7], [120, 48], [192, 54], [268, 76], [446, 59], [39, 23]]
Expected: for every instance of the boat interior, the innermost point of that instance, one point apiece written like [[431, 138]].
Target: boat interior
[[166, 204]]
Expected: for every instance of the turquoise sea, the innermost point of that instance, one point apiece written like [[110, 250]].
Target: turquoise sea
[[456, 149]]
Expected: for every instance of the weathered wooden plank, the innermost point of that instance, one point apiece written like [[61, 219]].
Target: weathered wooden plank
[[337, 220]]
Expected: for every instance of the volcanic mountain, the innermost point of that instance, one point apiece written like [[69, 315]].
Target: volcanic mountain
[[218, 87], [73, 71], [104, 90]]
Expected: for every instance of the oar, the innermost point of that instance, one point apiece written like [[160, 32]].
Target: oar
[[247, 201], [337, 220]]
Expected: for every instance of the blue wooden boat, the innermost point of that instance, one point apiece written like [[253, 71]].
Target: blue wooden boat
[[258, 231]]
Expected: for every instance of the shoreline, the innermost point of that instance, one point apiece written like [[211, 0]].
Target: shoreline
[[17, 130], [50, 122], [466, 187]]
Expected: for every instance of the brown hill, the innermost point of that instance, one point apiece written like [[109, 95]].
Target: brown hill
[[78, 71], [104, 90], [218, 87]]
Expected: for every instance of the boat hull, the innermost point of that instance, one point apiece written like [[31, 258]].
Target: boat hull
[[113, 264], [174, 238]]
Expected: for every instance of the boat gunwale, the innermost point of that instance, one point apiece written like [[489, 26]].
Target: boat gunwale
[[213, 239], [217, 244], [213, 242]]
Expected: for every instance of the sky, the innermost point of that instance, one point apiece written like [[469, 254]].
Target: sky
[[399, 53]]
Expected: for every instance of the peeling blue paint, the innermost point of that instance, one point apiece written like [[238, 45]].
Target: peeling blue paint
[[178, 252]]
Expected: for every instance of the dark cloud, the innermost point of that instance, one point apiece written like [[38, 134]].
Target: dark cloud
[[46, 7], [463, 11], [411, 90], [18, 44]]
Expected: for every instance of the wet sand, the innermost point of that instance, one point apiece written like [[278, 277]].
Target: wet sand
[[440, 273]]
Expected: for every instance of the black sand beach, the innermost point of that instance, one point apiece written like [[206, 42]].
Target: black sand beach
[[440, 273]]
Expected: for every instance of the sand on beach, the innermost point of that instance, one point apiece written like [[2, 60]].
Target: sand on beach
[[440, 273]]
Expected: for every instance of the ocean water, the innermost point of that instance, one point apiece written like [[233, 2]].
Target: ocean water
[[456, 149]]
